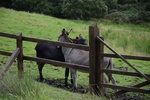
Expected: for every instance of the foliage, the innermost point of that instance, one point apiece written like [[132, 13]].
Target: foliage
[[74, 9], [127, 1], [117, 17], [84, 9], [111, 4]]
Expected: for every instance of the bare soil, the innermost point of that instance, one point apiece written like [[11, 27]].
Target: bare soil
[[60, 83]]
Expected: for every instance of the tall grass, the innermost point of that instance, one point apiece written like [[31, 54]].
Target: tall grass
[[131, 39], [12, 88]]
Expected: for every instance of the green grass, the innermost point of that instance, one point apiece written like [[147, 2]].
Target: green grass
[[124, 38], [28, 89]]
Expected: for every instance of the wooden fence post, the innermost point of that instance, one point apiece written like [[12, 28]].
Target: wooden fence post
[[20, 56], [94, 61]]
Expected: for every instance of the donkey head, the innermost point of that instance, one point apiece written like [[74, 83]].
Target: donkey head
[[63, 37], [80, 40]]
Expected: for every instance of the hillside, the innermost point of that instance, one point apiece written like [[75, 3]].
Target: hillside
[[117, 11], [124, 38]]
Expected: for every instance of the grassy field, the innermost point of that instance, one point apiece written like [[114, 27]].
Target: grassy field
[[124, 38]]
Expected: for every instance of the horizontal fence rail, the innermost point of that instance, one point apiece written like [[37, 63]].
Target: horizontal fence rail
[[8, 35], [71, 45], [29, 39], [6, 53], [136, 86], [58, 63], [131, 89], [127, 57], [124, 73]]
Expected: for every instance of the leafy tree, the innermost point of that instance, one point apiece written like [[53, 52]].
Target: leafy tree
[[24, 5], [84, 9], [111, 3], [43, 7], [5, 3]]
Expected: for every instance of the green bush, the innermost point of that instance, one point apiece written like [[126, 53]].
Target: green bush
[[117, 17], [43, 7], [84, 9], [145, 16], [112, 4], [117, 21], [127, 1], [5, 3], [74, 9], [24, 5]]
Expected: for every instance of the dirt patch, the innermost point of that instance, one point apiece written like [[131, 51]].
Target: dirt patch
[[132, 96], [60, 83]]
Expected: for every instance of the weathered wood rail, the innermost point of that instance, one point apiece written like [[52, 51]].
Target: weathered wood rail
[[96, 56]]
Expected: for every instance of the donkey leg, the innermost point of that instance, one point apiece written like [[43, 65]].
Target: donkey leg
[[74, 76], [40, 67], [113, 80], [104, 89], [66, 76], [71, 79]]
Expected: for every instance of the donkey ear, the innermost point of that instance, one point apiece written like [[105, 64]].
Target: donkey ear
[[77, 38], [63, 31], [80, 36]]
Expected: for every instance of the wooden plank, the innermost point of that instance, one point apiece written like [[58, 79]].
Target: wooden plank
[[10, 61], [131, 89], [71, 45], [8, 35], [20, 56], [127, 57], [124, 91], [94, 75], [5, 53], [144, 76], [124, 73], [58, 63]]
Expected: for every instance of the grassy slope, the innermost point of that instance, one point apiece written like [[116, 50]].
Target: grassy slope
[[40, 26]]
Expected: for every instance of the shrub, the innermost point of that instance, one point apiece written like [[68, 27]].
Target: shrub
[[117, 21], [24, 5], [145, 16], [117, 16], [43, 7], [127, 1], [84, 9], [5, 3]]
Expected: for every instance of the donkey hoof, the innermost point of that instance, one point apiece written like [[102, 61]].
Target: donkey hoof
[[41, 80], [74, 89], [68, 87]]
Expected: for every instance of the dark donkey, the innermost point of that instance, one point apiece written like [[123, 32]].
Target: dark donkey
[[54, 53]]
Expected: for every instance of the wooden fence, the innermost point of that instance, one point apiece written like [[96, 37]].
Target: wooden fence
[[96, 56]]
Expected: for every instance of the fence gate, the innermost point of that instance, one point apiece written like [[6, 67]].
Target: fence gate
[[97, 55]]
